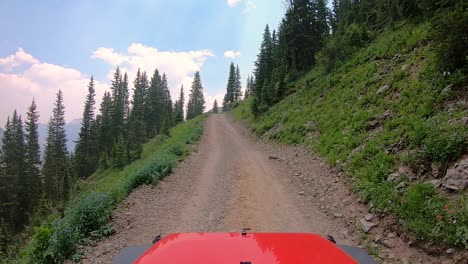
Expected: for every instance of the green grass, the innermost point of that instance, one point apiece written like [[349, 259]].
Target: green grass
[[331, 114], [86, 217]]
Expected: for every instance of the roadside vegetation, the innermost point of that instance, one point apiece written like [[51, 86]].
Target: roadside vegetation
[[389, 111], [86, 217]]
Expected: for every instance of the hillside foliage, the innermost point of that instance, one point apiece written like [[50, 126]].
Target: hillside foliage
[[381, 93]]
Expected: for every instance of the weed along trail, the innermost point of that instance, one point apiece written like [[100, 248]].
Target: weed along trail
[[234, 181]]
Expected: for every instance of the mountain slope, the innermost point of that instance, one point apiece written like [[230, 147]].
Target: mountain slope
[[390, 120]]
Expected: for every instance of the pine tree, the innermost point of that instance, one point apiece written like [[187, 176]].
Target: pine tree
[[8, 202], [119, 153], [22, 185], [33, 161], [167, 111], [125, 100], [237, 86], [136, 135], [120, 104], [153, 105], [120, 113], [249, 87], [225, 102], [67, 180], [86, 152], [196, 102], [55, 162], [13, 191], [179, 107], [263, 70], [104, 126], [117, 110], [231, 86], [215, 106]]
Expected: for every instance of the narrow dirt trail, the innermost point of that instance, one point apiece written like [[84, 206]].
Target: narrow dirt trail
[[230, 183]]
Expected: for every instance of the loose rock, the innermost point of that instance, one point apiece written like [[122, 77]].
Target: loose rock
[[457, 177], [400, 186], [450, 251], [383, 89], [338, 215], [390, 243], [436, 171], [366, 226], [393, 177], [435, 183], [368, 217]]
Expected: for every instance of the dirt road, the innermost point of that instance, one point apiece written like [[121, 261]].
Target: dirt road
[[230, 182]]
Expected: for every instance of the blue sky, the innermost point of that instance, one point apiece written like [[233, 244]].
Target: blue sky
[[51, 45]]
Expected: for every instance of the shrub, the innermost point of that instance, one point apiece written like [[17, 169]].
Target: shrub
[[38, 251], [90, 213], [449, 33], [343, 45], [5, 237], [63, 242], [444, 143]]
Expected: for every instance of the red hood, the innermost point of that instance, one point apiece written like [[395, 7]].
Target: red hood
[[256, 248]]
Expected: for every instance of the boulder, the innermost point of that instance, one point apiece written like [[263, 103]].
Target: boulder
[[456, 178]]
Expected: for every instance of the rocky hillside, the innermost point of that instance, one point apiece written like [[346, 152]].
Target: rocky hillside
[[392, 122]]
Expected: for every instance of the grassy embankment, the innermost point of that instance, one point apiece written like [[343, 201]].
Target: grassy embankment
[[85, 218], [410, 123]]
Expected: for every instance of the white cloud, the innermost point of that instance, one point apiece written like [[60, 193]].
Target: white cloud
[[179, 66], [109, 56], [232, 54], [41, 81], [249, 5], [233, 3], [17, 59]]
